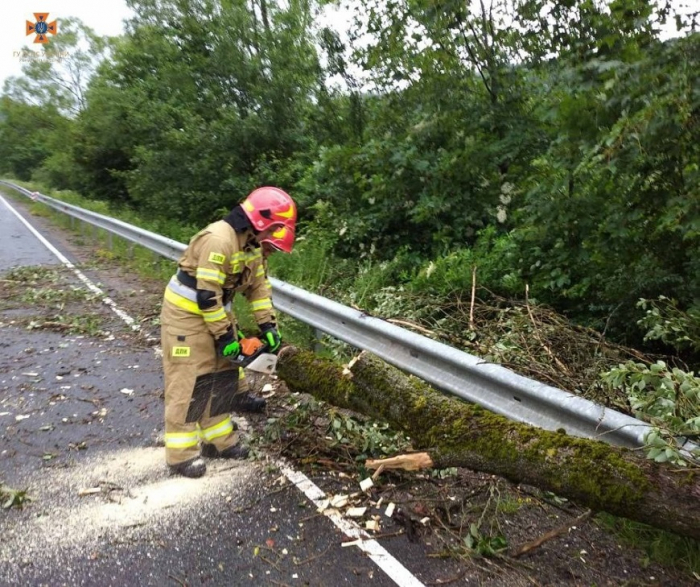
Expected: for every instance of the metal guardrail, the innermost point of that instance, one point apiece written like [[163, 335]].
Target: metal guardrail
[[166, 247], [489, 385]]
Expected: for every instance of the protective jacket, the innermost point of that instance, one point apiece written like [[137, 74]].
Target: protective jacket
[[220, 260]]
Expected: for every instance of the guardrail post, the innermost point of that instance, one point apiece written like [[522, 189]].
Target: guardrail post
[[318, 345]]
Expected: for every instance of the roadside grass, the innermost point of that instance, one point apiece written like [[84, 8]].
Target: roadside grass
[[670, 550]]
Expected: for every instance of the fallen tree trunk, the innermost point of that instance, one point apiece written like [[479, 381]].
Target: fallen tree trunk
[[454, 433]]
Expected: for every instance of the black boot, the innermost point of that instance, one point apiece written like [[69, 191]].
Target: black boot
[[193, 468], [248, 403], [209, 451], [232, 452]]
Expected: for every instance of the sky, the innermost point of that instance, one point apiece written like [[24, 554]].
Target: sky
[[104, 16]]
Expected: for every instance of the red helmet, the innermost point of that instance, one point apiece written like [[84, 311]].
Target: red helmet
[[268, 206], [282, 239]]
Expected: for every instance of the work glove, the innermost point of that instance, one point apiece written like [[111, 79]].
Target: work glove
[[271, 336], [227, 344]]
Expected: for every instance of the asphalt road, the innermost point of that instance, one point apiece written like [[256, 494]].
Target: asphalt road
[[78, 419], [18, 247]]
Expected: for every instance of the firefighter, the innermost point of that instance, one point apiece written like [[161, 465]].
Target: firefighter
[[199, 331]]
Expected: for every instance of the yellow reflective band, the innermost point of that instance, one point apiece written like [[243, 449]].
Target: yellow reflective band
[[268, 284], [214, 316], [256, 254], [288, 213], [263, 304], [181, 439], [221, 429], [236, 261], [241, 373], [181, 351], [261, 271], [210, 275], [193, 308], [217, 258], [180, 302]]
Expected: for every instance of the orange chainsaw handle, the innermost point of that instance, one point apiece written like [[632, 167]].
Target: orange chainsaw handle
[[249, 346]]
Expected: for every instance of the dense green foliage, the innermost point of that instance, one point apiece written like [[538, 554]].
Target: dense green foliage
[[549, 144]]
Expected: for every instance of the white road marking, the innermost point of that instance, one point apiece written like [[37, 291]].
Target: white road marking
[[381, 557], [91, 286]]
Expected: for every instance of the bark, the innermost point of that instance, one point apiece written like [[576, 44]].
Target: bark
[[457, 434]]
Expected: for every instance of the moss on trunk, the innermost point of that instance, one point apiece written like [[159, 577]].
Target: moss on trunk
[[457, 434]]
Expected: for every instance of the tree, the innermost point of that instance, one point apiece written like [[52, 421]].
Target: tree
[[28, 135], [454, 433], [60, 76], [446, 132], [207, 111], [611, 215]]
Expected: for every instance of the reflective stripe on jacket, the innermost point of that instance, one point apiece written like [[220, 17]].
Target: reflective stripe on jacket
[[220, 259]]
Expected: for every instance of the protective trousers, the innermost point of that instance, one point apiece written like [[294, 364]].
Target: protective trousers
[[200, 387]]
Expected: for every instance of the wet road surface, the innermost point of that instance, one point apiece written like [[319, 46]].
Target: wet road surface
[[18, 247], [79, 416]]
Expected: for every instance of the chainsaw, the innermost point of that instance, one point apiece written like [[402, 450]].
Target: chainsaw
[[255, 355]]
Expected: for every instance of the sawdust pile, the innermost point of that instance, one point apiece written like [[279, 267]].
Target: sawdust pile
[[112, 498]]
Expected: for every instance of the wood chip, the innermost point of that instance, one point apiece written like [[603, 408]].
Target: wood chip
[[408, 462], [365, 484], [339, 501], [372, 525], [89, 491], [356, 512]]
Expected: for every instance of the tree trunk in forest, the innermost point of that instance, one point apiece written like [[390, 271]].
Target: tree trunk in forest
[[454, 433]]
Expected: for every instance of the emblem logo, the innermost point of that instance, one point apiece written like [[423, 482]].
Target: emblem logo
[[42, 28]]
